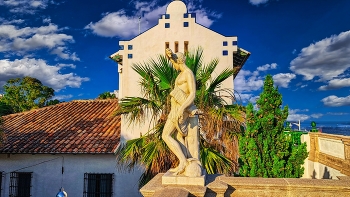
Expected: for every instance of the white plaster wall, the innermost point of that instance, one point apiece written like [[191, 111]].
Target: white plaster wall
[[47, 176], [152, 43], [332, 147], [321, 171], [307, 168]]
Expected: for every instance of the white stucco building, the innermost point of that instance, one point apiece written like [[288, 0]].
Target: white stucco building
[[177, 29], [69, 145]]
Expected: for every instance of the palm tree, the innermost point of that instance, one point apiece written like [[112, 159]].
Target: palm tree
[[219, 120]]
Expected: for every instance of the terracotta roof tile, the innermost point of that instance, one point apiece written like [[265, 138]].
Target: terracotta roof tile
[[72, 127]]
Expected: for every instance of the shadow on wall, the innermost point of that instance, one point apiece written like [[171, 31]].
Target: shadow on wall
[[326, 174]]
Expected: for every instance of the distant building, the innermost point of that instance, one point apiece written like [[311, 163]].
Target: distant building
[[177, 29], [70, 144]]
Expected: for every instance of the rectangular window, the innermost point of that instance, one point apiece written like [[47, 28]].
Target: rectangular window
[[185, 24], [166, 45], [129, 56], [234, 43], [121, 47], [176, 46], [225, 52], [193, 15], [224, 43], [167, 16], [20, 184], [186, 47], [167, 25], [129, 47], [186, 15], [98, 185]]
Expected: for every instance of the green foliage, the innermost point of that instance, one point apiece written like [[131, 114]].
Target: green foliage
[[4, 108], [106, 95], [157, 78], [52, 102], [23, 94], [265, 151]]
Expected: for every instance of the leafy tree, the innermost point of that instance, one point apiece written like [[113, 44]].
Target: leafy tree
[[4, 108], [26, 93], [106, 95], [265, 151], [157, 80], [52, 102]]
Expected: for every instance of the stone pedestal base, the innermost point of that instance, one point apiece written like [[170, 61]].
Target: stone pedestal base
[[212, 187], [169, 179]]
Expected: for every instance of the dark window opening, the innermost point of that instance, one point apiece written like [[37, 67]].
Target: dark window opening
[[185, 24], [167, 25], [20, 184], [166, 45], [129, 47], [224, 43], [129, 56], [176, 47], [186, 47], [224, 52], [121, 47], [186, 15], [193, 15], [98, 185], [234, 43], [167, 16]]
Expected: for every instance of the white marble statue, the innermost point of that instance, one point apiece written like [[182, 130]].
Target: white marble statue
[[182, 120]]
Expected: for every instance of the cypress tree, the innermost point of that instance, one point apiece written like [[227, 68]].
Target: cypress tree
[[265, 151]]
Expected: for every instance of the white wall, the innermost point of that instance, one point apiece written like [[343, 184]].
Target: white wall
[[152, 43], [47, 176]]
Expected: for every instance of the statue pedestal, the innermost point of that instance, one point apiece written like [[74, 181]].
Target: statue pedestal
[[169, 179], [212, 187]]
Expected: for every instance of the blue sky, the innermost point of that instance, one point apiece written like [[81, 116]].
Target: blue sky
[[304, 45]]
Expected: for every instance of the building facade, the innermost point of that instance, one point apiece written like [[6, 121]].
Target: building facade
[[177, 29]]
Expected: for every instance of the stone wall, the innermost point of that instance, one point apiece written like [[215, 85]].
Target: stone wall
[[220, 185], [329, 156]]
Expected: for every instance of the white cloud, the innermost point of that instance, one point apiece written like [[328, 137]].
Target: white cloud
[[62, 97], [336, 84], [38, 68], [123, 25], [244, 98], [318, 115], [294, 115], [337, 113], [25, 6], [283, 79], [258, 2], [334, 101], [325, 59], [22, 40], [247, 81], [267, 67]]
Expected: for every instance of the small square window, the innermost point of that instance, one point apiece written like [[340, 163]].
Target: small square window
[[167, 16], [186, 15], [129, 47], [224, 43], [234, 43], [121, 47], [193, 15], [167, 25], [129, 56], [185, 24], [225, 52]]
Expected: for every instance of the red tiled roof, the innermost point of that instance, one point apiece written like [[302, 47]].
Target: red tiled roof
[[72, 127]]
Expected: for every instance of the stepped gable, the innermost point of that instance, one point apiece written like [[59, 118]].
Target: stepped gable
[[82, 126]]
